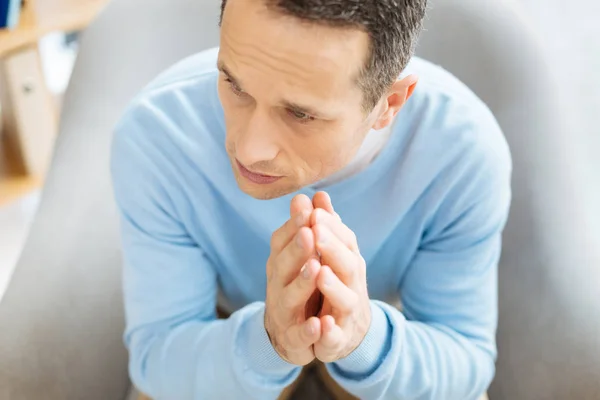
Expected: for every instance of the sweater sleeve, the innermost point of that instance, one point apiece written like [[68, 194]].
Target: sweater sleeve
[[178, 349], [442, 344]]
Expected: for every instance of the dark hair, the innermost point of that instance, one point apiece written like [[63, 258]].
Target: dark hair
[[392, 25]]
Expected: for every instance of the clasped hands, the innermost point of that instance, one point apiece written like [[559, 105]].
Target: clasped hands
[[317, 305]]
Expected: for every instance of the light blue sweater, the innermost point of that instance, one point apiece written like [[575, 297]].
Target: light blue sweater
[[428, 214]]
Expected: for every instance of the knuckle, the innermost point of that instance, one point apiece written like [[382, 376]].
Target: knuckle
[[304, 336], [271, 270], [269, 267], [361, 264], [353, 237], [324, 355], [274, 239]]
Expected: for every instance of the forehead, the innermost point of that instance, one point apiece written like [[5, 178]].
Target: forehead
[[260, 44]]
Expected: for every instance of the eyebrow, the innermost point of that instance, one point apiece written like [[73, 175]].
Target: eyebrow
[[285, 103], [221, 66], [301, 109]]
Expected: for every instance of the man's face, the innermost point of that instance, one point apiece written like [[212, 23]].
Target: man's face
[[293, 110]]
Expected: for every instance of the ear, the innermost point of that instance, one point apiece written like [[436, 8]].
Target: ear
[[400, 91]]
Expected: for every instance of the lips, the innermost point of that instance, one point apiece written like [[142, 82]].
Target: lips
[[256, 178]]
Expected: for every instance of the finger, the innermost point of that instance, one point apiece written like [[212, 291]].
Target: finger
[[300, 203], [335, 224], [288, 262], [297, 293], [341, 297], [323, 200], [332, 340], [301, 336], [282, 236], [344, 262]]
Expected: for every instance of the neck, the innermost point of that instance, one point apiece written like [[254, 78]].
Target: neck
[[371, 146]]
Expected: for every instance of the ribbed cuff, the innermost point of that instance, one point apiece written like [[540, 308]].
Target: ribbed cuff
[[258, 351], [370, 353]]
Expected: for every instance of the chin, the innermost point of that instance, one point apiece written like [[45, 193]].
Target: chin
[[264, 192]]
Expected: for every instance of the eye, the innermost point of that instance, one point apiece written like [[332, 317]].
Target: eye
[[300, 116], [235, 88]]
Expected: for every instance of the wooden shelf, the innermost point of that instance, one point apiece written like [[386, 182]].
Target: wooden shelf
[[14, 183], [40, 17], [25, 142], [14, 187]]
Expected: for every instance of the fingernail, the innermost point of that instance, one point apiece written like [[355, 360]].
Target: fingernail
[[309, 329], [305, 271]]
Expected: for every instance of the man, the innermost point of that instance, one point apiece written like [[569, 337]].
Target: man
[[300, 175]]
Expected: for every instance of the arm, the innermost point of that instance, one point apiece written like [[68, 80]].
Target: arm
[[442, 345], [178, 350]]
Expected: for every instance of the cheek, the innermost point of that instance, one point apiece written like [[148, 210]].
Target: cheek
[[320, 153], [341, 148]]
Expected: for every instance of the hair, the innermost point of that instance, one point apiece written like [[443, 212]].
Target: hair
[[392, 25]]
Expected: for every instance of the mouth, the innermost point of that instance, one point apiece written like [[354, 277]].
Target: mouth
[[254, 177]]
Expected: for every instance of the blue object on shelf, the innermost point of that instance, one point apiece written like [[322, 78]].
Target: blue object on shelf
[[9, 13]]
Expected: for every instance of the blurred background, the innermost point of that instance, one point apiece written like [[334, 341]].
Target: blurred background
[[568, 31], [38, 46], [39, 43]]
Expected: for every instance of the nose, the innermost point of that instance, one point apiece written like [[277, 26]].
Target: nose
[[257, 142]]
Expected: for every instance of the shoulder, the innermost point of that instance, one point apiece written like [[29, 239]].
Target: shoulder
[[455, 146], [186, 90], [175, 122], [192, 68], [181, 105], [456, 128]]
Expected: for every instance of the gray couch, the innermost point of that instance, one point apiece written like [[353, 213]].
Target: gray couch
[[61, 319]]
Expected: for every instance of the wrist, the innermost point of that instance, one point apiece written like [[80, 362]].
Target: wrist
[[272, 339], [361, 331], [258, 348], [369, 353]]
